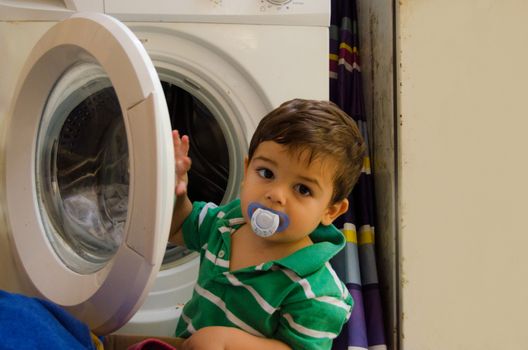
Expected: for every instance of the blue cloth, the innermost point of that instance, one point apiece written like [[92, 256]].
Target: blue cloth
[[31, 323]]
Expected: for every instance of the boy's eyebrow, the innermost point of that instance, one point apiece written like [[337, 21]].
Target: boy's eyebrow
[[266, 159], [311, 180]]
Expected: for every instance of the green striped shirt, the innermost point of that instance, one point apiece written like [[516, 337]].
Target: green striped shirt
[[297, 299]]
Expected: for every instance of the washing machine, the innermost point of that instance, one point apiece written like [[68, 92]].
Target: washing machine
[[89, 93]]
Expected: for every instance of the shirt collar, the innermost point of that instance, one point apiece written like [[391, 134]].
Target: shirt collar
[[328, 241]]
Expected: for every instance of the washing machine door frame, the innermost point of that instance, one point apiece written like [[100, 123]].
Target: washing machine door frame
[[107, 298]]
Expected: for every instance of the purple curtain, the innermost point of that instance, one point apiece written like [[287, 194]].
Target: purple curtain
[[356, 264]]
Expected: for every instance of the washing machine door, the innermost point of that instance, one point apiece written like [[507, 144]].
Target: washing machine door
[[90, 170]]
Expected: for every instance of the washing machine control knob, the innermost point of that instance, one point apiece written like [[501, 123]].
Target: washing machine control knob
[[278, 2]]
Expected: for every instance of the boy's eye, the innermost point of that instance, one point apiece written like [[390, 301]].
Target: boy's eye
[[303, 190], [265, 173]]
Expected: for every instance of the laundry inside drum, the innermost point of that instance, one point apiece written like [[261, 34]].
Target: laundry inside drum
[[82, 169]]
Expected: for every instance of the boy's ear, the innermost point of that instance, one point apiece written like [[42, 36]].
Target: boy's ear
[[334, 210]]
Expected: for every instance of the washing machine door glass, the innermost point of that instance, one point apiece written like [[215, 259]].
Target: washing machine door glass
[[82, 169], [89, 171]]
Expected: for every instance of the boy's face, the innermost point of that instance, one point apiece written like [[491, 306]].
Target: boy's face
[[284, 181]]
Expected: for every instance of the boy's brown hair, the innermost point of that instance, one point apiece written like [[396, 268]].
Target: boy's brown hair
[[322, 129]]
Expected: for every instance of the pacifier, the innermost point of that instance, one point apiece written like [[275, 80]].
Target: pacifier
[[266, 222]]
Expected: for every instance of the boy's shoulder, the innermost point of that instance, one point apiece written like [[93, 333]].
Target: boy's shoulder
[[228, 210], [312, 263], [209, 213]]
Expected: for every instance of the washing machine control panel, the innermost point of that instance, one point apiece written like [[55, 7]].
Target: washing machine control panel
[[273, 12], [278, 2]]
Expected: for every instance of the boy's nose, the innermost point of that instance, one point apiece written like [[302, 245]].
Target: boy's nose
[[276, 195]]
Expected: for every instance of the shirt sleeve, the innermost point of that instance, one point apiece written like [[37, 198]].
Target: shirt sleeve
[[199, 224], [313, 323]]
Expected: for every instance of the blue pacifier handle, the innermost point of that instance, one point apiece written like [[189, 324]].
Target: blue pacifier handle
[[284, 219]]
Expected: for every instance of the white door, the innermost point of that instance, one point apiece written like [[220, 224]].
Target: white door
[[90, 170]]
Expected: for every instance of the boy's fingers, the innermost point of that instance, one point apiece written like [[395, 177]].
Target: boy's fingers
[[175, 136], [181, 188], [181, 145], [183, 162], [183, 165], [185, 144], [176, 140]]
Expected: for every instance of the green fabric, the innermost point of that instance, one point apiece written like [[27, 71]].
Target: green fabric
[[297, 299]]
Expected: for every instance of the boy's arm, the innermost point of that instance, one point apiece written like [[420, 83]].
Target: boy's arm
[[229, 338], [182, 209], [183, 206]]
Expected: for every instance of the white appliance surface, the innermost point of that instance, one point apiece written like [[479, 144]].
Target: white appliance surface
[[87, 158], [450, 170], [240, 71]]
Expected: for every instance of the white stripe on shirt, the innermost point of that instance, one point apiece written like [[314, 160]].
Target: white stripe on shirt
[[236, 221], [187, 320], [222, 306], [202, 214], [302, 281], [334, 301], [260, 300], [307, 331], [337, 281], [224, 229], [216, 260]]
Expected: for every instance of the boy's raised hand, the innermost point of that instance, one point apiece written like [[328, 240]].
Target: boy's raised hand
[[182, 162]]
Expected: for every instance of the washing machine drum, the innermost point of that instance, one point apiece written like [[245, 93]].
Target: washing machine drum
[[89, 171], [82, 169]]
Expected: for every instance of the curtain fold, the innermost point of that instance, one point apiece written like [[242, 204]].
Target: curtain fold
[[356, 264]]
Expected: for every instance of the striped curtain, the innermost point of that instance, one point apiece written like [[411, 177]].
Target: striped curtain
[[356, 264]]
